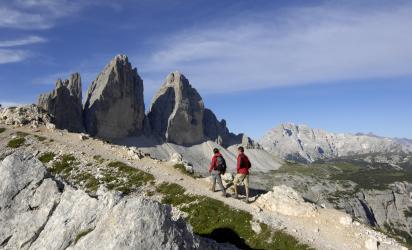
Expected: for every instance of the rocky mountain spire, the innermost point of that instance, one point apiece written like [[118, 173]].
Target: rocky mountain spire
[[115, 107], [64, 104], [176, 113]]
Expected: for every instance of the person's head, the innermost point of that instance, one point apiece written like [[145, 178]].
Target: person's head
[[241, 149], [215, 150]]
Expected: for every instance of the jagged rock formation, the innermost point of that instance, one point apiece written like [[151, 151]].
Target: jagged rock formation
[[24, 115], [40, 212], [301, 143], [114, 106], [388, 209], [64, 104], [177, 114]]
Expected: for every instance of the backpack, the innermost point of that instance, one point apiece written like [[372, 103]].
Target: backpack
[[220, 164], [245, 163]]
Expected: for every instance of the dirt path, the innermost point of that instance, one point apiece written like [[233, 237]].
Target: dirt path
[[324, 229]]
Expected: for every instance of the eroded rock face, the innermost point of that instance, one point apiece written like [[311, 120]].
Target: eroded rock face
[[64, 104], [38, 212], [114, 106], [176, 113]]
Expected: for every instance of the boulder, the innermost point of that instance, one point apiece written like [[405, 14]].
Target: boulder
[[64, 104], [39, 212], [176, 113], [114, 106]]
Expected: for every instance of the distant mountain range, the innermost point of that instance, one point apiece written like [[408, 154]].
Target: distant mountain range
[[304, 144]]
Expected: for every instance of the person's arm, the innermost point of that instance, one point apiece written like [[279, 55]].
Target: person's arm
[[212, 165]]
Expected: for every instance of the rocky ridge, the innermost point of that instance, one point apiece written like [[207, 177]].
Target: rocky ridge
[[304, 144]]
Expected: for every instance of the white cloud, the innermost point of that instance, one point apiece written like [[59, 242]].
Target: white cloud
[[289, 47], [22, 41], [43, 14], [12, 56]]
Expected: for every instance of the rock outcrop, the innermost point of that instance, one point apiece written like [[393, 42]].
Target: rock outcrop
[[39, 212], [114, 106], [24, 115], [301, 143], [330, 223], [64, 104]]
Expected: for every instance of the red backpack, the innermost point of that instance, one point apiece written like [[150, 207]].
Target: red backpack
[[244, 162]]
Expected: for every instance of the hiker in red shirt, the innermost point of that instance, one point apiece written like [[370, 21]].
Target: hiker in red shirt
[[217, 167], [243, 165]]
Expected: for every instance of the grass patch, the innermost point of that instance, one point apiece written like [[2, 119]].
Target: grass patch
[[21, 134], [64, 166], [2, 130], [47, 157], [124, 178], [408, 212], [182, 169], [99, 159], [210, 217], [88, 180], [16, 142], [40, 138], [82, 234]]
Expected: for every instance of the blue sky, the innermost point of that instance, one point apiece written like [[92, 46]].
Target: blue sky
[[344, 66]]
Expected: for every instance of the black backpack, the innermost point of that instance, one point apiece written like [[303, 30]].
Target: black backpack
[[220, 164]]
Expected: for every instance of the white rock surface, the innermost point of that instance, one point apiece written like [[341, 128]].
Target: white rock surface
[[38, 212], [286, 201]]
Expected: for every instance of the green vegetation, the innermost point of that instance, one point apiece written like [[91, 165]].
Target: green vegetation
[[209, 216], [88, 180], [99, 159], [21, 134], [182, 169], [40, 138], [408, 213], [124, 178], [16, 142], [400, 235], [2, 130], [364, 176], [82, 234], [64, 166], [47, 157]]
